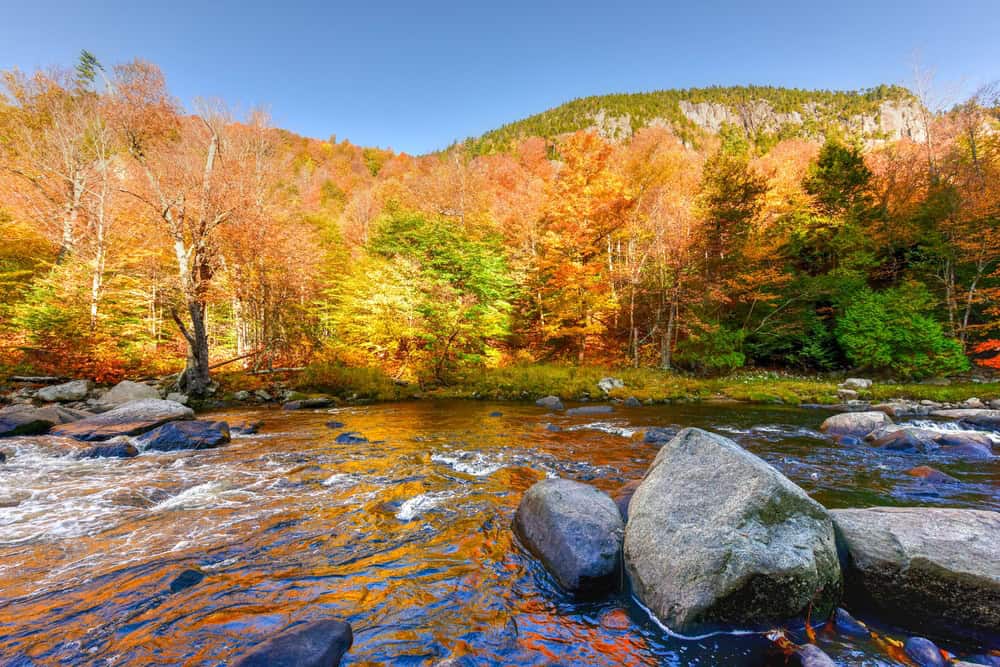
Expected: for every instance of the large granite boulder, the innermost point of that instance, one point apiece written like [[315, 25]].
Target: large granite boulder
[[316, 644], [131, 418], [857, 424], [716, 536], [127, 391], [929, 567], [575, 530], [28, 420], [178, 435], [75, 390]]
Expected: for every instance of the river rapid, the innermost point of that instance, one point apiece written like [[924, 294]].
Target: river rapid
[[406, 536]]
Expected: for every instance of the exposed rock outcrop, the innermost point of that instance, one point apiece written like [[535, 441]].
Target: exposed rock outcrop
[[316, 644], [133, 418], [178, 435], [75, 390]]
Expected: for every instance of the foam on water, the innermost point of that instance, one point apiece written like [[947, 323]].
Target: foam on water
[[418, 505], [470, 463], [605, 427]]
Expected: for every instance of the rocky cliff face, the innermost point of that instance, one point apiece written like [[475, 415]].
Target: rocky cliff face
[[892, 121]]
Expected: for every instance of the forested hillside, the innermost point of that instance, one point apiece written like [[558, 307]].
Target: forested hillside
[[140, 238]]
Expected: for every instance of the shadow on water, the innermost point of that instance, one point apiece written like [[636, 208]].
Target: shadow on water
[[406, 536]]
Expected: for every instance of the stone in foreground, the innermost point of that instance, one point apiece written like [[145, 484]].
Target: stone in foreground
[[176, 436], [316, 644], [858, 424], [717, 537], [575, 530], [926, 567], [132, 418]]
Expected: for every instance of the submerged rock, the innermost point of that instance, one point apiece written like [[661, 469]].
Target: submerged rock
[[858, 424], [111, 450], [186, 435], [350, 438], [334, 424], [590, 410], [127, 391], [550, 402], [849, 625], [308, 404], [316, 644], [75, 390], [246, 428], [811, 655], [717, 536], [655, 435], [931, 475], [925, 566], [129, 419], [186, 579], [3, 456], [924, 652], [29, 420], [575, 530]]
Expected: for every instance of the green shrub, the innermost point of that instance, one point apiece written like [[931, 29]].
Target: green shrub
[[713, 351], [889, 331]]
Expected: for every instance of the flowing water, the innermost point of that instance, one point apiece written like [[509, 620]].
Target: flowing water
[[406, 536]]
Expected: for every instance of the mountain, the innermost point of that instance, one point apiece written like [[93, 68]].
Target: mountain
[[764, 113]]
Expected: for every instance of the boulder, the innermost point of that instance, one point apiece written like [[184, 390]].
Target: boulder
[[178, 435], [925, 566], [902, 409], [308, 404], [856, 383], [132, 418], [111, 450], [590, 410], [127, 391], [971, 417], [858, 424], [904, 440], [246, 428], [350, 438], [848, 625], [75, 390], [655, 435], [716, 536], [3, 457], [632, 402], [550, 402], [575, 530], [924, 652], [609, 384], [316, 644], [29, 420], [847, 394]]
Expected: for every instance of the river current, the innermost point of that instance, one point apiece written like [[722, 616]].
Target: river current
[[407, 536]]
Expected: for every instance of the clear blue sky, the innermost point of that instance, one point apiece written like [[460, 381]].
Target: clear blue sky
[[415, 75]]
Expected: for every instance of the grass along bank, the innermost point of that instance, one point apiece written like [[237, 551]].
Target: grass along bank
[[528, 382]]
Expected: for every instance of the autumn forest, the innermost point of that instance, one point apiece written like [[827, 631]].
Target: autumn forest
[[141, 238]]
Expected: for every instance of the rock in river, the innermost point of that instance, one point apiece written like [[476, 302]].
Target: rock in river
[[29, 420], [716, 536], [131, 418], [550, 402], [75, 390], [929, 567], [924, 652], [575, 530], [590, 410], [111, 450], [316, 644], [308, 404], [179, 435], [858, 424]]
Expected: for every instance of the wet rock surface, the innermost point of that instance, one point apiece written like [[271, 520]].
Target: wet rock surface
[[316, 644], [179, 435], [858, 424], [575, 530]]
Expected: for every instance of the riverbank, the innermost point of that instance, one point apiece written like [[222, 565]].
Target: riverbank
[[529, 382]]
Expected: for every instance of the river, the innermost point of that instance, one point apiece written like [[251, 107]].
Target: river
[[406, 536]]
